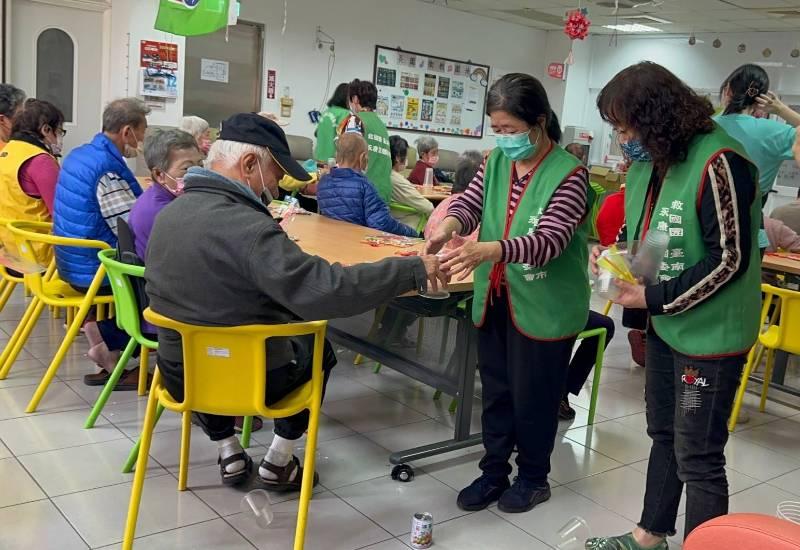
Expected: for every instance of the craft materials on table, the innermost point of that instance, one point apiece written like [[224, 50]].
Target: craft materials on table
[[387, 239]]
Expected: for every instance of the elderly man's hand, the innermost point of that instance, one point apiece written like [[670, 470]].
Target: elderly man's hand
[[435, 275]]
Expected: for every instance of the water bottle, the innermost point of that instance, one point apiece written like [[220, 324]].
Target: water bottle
[[647, 260], [257, 506]]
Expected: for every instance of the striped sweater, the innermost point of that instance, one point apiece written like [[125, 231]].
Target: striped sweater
[[566, 210]]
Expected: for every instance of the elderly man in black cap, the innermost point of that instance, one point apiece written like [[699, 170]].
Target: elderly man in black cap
[[216, 257]]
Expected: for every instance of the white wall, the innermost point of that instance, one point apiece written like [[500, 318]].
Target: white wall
[[409, 24], [702, 66], [132, 21]]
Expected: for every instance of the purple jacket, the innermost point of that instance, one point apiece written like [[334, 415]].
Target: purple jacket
[[143, 215], [141, 220]]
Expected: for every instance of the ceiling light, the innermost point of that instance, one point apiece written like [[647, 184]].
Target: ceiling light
[[632, 27]]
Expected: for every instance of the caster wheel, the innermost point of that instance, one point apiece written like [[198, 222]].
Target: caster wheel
[[403, 472]]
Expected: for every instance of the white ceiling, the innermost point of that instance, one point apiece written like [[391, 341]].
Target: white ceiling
[[686, 16]]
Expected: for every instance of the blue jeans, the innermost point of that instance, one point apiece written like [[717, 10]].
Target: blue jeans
[[689, 401]]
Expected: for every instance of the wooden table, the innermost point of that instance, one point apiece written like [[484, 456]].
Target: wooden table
[[781, 264], [338, 241], [433, 195], [454, 374]]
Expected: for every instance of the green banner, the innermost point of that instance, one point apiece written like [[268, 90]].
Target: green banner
[[191, 17]]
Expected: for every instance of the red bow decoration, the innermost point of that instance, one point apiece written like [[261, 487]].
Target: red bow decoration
[[577, 25]]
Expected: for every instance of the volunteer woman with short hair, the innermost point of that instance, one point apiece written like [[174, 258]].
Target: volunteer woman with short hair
[[531, 287], [692, 180]]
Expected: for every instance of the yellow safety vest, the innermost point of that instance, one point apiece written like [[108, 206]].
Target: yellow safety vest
[[14, 203]]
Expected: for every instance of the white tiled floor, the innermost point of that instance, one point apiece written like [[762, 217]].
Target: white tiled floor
[[62, 487]]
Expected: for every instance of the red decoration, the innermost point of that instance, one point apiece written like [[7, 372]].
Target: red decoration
[[555, 70], [577, 25]]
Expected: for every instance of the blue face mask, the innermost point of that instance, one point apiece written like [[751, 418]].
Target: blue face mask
[[517, 146], [635, 151]]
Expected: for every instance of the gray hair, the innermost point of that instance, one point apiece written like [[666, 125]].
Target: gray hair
[[11, 98], [229, 152], [466, 168], [194, 125], [425, 145], [128, 111], [159, 145]]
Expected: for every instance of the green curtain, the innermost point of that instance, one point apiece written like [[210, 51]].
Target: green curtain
[[191, 17]]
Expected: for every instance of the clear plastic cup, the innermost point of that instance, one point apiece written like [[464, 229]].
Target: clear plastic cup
[[428, 181], [257, 506], [790, 511], [573, 535]]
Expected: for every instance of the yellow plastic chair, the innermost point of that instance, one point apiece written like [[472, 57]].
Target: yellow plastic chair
[[780, 334], [51, 291], [8, 282], [225, 374]]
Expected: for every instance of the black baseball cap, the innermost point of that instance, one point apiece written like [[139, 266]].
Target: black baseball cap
[[258, 130]]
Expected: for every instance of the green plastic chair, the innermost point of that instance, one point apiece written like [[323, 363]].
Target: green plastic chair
[[403, 209], [128, 319], [127, 315]]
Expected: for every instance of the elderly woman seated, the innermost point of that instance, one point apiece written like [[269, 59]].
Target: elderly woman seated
[[428, 154], [199, 130]]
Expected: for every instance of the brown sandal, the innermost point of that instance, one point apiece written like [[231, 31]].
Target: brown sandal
[[284, 473]]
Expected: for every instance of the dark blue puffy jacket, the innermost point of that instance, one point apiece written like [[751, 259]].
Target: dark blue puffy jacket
[[76, 211], [347, 195]]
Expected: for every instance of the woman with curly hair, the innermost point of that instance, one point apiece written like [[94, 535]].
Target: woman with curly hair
[[690, 179]]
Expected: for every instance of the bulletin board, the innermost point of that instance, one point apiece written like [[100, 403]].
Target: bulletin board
[[424, 93]]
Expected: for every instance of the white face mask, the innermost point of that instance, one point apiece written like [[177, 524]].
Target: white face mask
[[132, 151], [266, 196], [57, 147]]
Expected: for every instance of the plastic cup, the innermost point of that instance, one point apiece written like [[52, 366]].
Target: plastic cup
[[573, 535], [428, 181], [257, 506], [790, 511]]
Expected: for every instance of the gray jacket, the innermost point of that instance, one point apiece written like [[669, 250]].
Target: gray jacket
[[216, 257]]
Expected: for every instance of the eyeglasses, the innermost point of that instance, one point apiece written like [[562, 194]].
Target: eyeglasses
[[61, 132]]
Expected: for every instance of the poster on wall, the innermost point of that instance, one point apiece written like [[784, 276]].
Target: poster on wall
[[214, 70], [158, 67], [426, 93]]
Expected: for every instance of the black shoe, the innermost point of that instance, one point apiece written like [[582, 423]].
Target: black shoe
[[523, 496], [481, 493], [565, 412]]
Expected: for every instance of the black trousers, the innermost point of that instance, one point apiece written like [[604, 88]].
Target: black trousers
[[523, 381], [689, 401], [280, 382], [584, 358]]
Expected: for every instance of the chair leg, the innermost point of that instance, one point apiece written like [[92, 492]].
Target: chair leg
[[753, 358], [767, 378], [437, 395], [377, 368], [134, 454], [101, 312], [20, 336], [307, 486], [146, 438], [72, 332], [247, 429], [7, 291], [70, 315], [453, 405], [598, 368], [143, 370], [376, 323], [110, 385], [186, 440]]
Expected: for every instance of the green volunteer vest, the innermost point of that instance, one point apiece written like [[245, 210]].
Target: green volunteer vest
[[379, 171], [549, 302], [326, 132], [726, 323]]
